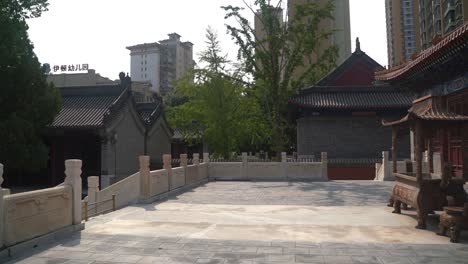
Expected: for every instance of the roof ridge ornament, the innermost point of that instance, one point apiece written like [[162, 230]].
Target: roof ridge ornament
[[358, 45]]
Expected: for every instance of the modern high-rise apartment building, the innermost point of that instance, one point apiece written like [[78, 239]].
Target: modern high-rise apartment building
[[412, 25], [161, 62], [440, 17], [402, 30], [341, 24]]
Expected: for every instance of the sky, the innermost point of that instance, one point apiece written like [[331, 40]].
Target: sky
[[97, 32]]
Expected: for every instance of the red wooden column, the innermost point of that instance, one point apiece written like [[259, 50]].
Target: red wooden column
[[394, 147]]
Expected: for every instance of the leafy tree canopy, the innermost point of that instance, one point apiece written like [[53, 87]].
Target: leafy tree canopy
[[27, 102], [282, 56], [217, 107]]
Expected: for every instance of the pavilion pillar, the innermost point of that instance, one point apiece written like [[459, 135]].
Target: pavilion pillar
[[418, 147], [394, 148], [412, 145]]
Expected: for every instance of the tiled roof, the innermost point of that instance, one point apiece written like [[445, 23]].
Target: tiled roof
[[149, 111], [450, 44], [86, 107], [357, 56], [342, 97], [429, 108]]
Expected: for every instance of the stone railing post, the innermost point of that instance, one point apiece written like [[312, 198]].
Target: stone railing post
[[167, 159], [93, 188], [387, 168], [183, 160], [73, 178], [244, 165], [206, 160], [324, 165], [183, 164], [284, 165], [144, 176], [2, 215], [196, 159]]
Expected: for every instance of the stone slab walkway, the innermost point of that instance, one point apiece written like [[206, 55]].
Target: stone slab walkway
[[253, 222]]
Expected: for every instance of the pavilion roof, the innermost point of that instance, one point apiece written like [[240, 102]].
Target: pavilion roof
[[428, 108]]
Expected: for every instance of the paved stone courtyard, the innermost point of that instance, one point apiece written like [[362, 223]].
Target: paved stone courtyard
[[253, 222]]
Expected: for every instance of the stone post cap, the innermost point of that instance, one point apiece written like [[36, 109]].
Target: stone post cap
[[324, 155], [93, 181], [73, 164], [167, 158], [183, 160], [144, 160], [196, 158], [206, 157], [244, 154]]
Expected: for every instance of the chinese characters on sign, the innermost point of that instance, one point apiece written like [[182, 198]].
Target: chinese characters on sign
[[71, 67]]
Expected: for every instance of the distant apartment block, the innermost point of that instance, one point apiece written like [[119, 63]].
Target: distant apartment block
[[413, 25], [440, 17], [341, 24], [161, 63], [402, 30]]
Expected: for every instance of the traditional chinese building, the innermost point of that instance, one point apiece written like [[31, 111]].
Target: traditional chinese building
[[107, 129], [438, 118], [342, 115]]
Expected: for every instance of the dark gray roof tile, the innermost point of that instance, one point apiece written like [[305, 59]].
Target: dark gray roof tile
[[343, 97]]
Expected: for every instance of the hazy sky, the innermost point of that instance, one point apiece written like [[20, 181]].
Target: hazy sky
[[97, 31]]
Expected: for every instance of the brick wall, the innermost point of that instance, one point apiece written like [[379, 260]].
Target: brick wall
[[347, 137]]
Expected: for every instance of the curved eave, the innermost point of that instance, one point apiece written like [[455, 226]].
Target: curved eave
[[449, 46]]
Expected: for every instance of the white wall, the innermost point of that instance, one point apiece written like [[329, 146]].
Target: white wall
[[145, 66]]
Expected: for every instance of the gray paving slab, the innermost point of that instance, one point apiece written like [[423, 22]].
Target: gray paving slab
[[255, 222]]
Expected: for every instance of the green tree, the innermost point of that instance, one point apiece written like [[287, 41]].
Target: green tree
[[283, 57], [217, 108], [27, 102]]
